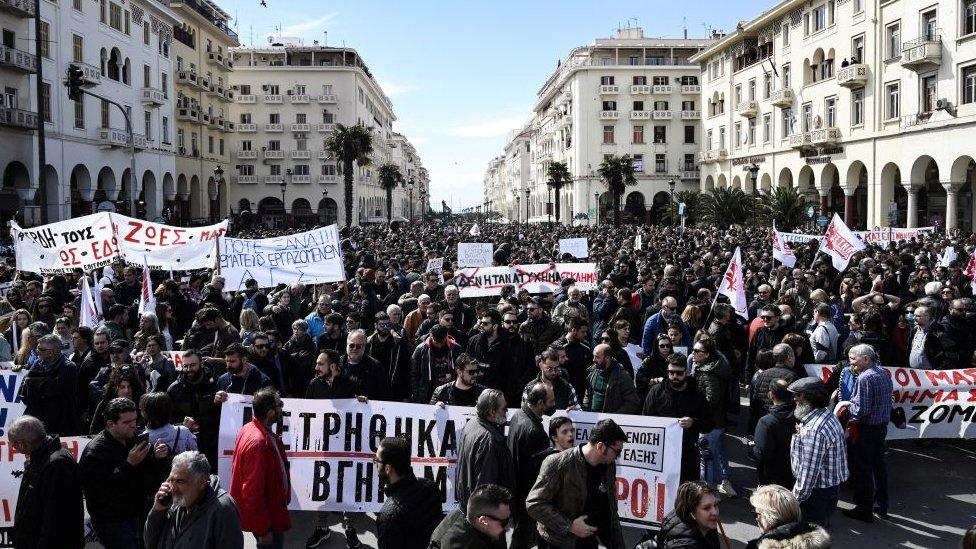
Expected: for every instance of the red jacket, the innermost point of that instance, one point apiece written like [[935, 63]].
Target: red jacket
[[259, 481]]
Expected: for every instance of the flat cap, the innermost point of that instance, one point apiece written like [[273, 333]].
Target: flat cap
[[807, 386]]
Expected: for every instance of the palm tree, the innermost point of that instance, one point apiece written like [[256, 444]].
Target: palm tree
[[559, 177], [350, 144], [784, 206], [617, 173], [726, 206], [390, 177]]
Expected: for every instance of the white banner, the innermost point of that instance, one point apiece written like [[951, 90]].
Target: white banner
[[937, 403], [11, 468], [166, 247], [331, 444], [475, 254], [537, 278], [879, 237], [311, 257], [10, 406], [576, 247], [436, 265]]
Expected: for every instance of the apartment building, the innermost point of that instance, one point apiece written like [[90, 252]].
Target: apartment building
[[496, 187], [407, 198], [628, 94], [518, 167], [124, 50], [288, 98], [204, 131], [866, 106]]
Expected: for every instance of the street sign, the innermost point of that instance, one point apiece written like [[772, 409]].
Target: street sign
[[822, 221], [681, 208], [810, 211]]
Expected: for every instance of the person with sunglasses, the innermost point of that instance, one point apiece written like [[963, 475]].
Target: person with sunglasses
[[390, 350], [481, 526], [658, 324], [412, 507]]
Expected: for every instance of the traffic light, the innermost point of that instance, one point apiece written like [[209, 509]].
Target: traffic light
[[74, 82]]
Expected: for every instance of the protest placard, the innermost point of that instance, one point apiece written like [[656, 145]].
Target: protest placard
[[310, 257], [11, 467], [537, 278], [576, 247], [436, 265], [331, 444], [166, 247], [85, 242], [937, 403], [475, 254]]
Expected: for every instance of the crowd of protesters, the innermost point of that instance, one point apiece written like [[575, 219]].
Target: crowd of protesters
[[651, 339]]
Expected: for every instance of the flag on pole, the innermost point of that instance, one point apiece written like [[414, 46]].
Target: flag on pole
[[147, 299], [733, 286], [971, 271], [638, 243], [840, 243], [88, 315], [475, 230], [781, 251], [948, 256]]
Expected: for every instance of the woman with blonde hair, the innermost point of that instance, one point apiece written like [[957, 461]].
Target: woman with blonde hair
[[777, 513], [249, 325]]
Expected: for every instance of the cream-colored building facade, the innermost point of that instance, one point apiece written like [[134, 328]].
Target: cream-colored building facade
[[866, 106]]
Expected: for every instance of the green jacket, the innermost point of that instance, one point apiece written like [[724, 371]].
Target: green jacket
[[620, 395]]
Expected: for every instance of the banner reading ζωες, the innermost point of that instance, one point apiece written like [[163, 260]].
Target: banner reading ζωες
[[937, 403], [330, 445], [311, 257], [536, 279], [86, 242], [166, 247]]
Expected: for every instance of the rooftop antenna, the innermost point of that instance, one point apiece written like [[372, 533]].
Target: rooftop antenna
[[684, 25], [326, 42], [629, 19]]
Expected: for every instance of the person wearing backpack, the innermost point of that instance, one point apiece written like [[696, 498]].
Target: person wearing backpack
[[251, 298]]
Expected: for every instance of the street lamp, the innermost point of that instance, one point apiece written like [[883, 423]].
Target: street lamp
[[284, 187], [596, 207], [410, 187], [753, 175], [219, 180], [518, 200], [527, 204], [549, 206], [671, 185]]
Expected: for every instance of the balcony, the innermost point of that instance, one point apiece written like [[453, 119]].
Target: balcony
[[693, 173], [19, 8], [825, 136], [274, 154], [782, 98], [205, 118], [325, 155], [921, 53], [215, 58], [662, 89], [17, 118], [228, 94], [217, 122], [18, 60], [301, 179], [247, 155], [246, 179], [301, 128], [853, 76], [718, 155], [301, 155], [609, 89], [609, 115], [640, 89], [204, 83], [207, 12], [189, 114], [800, 140], [703, 157], [273, 179], [247, 128], [690, 115], [662, 115], [188, 78], [325, 128], [229, 126], [327, 98], [153, 96], [228, 63], [640, 115], [247, 98], [113, 138], [302, 99], [274, 128], [747, 109], [216, 90], [690, 89], [273, 98], [328, 179]]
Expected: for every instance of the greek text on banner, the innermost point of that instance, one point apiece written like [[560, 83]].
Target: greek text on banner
[[310, 257], [537, 278]]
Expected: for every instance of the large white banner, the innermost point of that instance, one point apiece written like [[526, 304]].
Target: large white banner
[[475, 254], [576, 247], [10, 406], [879, 237], [95, 240], [937, 403], [536, 278], [310, 257], [331, 444]]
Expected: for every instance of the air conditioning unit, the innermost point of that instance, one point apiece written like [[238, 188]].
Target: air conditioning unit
[[943, 105], [264, 87], [291, 92]]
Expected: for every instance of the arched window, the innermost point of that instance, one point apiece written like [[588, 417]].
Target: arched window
[[104, 61]]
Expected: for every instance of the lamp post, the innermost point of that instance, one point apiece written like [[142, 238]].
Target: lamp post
[[219, 181], [423, 205], [518, 201], [753, 175], [549, 206], [410, 186], [284, 187], [596, 208], [671, 185], [527, 204]]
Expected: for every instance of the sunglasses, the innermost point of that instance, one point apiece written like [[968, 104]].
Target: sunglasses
[[665, 346], [504, 522], [355, 346], [766, 317]]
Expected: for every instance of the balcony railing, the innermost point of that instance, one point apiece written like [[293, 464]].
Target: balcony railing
[[274, 128], [609, 115], [691, 174], [208, 14], [690, 89], [18, 118], [20, 8], [327, 98], [18, 60], [246, 179], [301, 179], [325, 128], [247, 128], [301, 128], [327, 179], [853, 76], [273, 179], [662, 115], [800, 140], [301, 155], [274, 154], [921, 53], [111, 138], [640, 115], [640, 89], [247, 98], [187, 77], [748, 108], [325, 155], [153, 96], [662, 89], [690, 115], [188, 114], [825, 136], [247, 155], [782, 97], [215, 58], [300, 99], [606, 89], [272, 98]]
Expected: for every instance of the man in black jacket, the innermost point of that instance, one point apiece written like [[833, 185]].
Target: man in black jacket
[[97, 359], [538, 329], [432, 363], [50, 512], [412, 509], [49, 389], [550, 374], [526, 438], [368, 374], [768, 335], [487, 348], [680, 397], [483, 455], [784, 369], [388, 348], [521, 366], [464, 390], [773, 435], [193, 395]]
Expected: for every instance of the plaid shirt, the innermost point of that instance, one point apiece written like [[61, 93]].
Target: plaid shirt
[[818, 454], [871, 400]]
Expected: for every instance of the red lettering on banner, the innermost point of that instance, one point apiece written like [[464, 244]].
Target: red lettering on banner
[[69, 257], [621, 488], [72, 447], [6, 510], [135, 228], [105, 248], [951, 395], [7, 452], [660, 502], [972, 395], [640, 492]]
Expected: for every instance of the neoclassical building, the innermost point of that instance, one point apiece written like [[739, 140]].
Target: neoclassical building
[[866, 106]]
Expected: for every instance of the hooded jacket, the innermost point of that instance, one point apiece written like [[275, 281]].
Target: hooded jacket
[[794, 535], [713, 379], [421, 376], [212, 524], [772, 446]]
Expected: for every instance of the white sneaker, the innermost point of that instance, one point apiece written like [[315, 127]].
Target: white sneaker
[[725, 488]]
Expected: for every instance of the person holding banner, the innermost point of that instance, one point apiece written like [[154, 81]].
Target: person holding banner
[[193, 395], [412, 508], [483, 455]]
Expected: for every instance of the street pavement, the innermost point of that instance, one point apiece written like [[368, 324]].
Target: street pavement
[[933, 502]]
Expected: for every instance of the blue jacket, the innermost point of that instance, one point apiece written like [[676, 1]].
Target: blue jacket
[[316, 325], [656, 325]]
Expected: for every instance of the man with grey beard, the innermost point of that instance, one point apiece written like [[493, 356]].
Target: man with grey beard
[[818, 453]]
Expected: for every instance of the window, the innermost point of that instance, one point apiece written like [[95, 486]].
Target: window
[[274, 145], [830, 109], [786, 35], [767, 86], [660, 134], [606, 80], [608, 135], [892, 100], [78, 49], [103, 11], [721, 137], [327, 89], [609, 105], [858, 6], [274, 118], [301, 144], [210, 144], [106, 116], [969, 17], [787, 115], [46, 99], [786, 76], [806, 24], [969, 84], [164, 83], [638, 163], [275, 169], [929, 91], [857, 49], [689, 165], [806, 121], [115, 16], [146, 76], [660, 163], [893, 41], [220, 148], [819, 18], [638, 105], [930, 26], [76, 4], [180, 138], [661, 106], [147, 122], [857, 108], [738, 94], [687, 105], [767, 127], [246, 169], [328, 169], [45, 39], [752, 89], [751, 123], [634, 60], [245, 118], [80, 113], [300, 89], [708, 140], [127, 28], [246, 145], [638, 135], [301, 118], [830, 12], [642, 80], [145, 33], [661, 80], [328, 118], [165, 128], [301, 169], [689, 134], [737, 139]]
